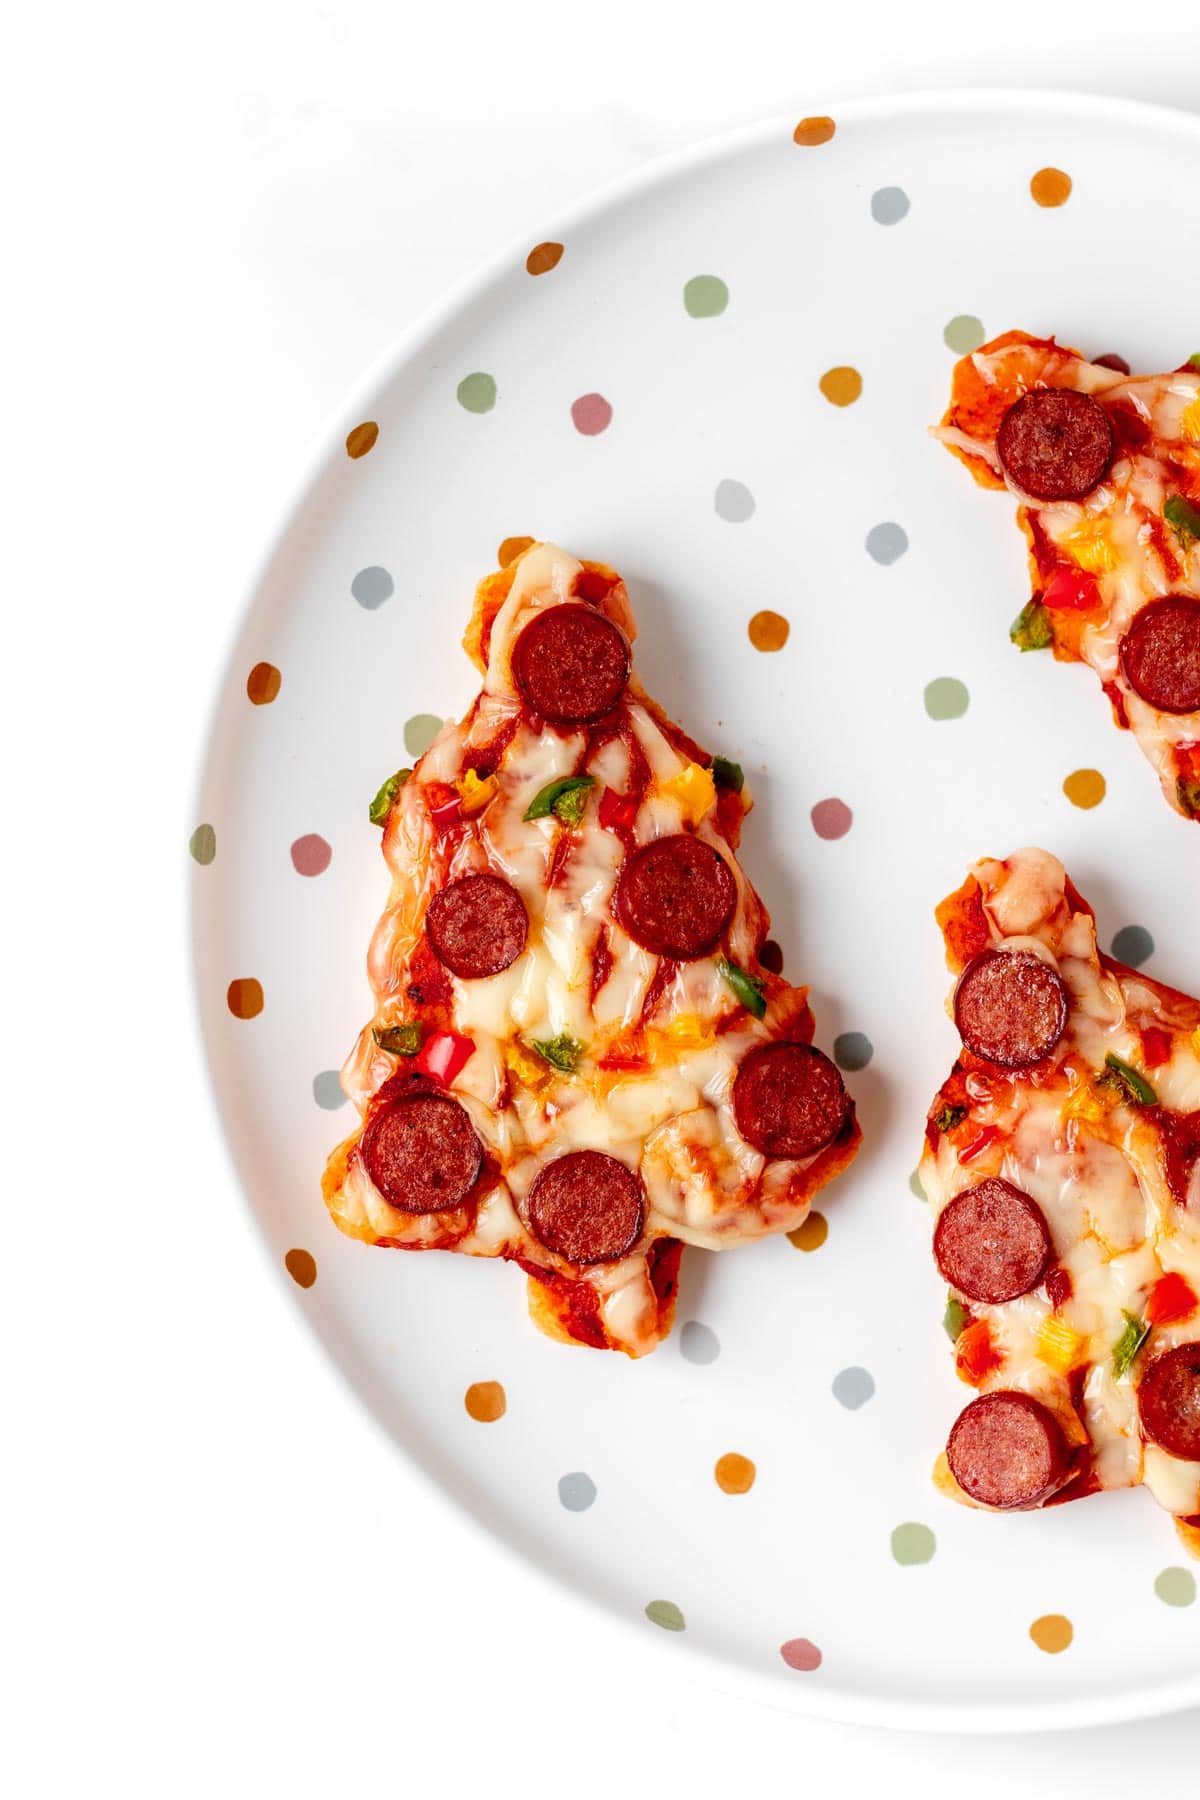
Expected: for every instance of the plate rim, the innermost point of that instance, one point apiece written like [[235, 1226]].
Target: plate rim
[[806, 1700]]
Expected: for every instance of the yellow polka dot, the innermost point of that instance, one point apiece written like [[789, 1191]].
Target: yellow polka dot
[[511, 548], [245, 998], [543, 257], [768, 631], [1085, 788], [1050, 187], [813, 131], [812, 1234], [301, 1265], [1052, 1633], [485, 1401], [841, 386], [734, 1474], [361, 439]]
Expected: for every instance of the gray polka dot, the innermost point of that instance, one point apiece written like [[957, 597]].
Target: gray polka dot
[[888, 205], [576, 1491], [734, 502], [852, 1050], [699, 1343], [327, 1090], [852, 1388], [1133, 945], [886, 542], [371, 587], [916, 1187]]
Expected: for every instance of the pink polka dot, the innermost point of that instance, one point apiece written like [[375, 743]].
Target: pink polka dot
[[592, 414], [311, 855], [831, 818], [802, 1654]]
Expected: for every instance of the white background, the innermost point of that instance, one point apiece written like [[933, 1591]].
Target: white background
[[215, 218]]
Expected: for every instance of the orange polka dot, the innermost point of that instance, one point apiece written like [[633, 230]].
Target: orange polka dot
[[362, 439], [812, 1234], [511, 548], [485, 1401], [1085, 788], [263, 683], [1052, 1633], [1050, 187], [543, 257], [841, 386], [768, 631], [245, 998], [813, 131], [734, 1474], [301, 1265]]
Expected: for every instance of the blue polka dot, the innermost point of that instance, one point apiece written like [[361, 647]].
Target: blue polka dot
[[327, 1090], [853, 1387], [1133, 945], [371, 587], [889, 205], [886, 542], [576, 1491]]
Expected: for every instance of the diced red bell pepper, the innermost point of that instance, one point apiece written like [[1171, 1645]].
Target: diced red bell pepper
[[978, 1144], [591, 585], [617, 812], [1172, 1297], [443, 1054], [1071, 590], [1156, 1047]]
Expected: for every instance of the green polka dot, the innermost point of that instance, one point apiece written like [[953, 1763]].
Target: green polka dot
[[912, 1543], [1176, 1586], [203, 844], [964, 333], [419, 733], [705, 296], [477, 392], [666, 1614], [915, 1188], [946, 698]]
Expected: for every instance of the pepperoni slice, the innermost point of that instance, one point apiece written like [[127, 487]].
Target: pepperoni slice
[[477, 925], [1110, 360], [1010, 1007], [675, 896], [1169, 1402], [1160, 654], [1181, 1155], [571, 664], [1055, 444], [421, 1152], [992, 1243], [789, 1100], [1007, 1450], [587, 1207]]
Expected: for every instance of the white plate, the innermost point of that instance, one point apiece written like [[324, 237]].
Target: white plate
[[816, 280]]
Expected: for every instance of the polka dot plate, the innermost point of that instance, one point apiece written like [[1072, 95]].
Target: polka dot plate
[[718, 379]]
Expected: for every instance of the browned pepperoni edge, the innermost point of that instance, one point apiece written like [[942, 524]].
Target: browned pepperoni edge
[[587, 1207], [675, 896], [1007, 1450], [422, 1153], [477, 925], [1055, 444], [1169, 1402], [1160, 654], [571, 664], [789, 1100], [1110, 360], [992, 1242], [1010, 1007]]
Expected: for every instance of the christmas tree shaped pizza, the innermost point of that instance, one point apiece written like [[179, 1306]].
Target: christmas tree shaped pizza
[[577, 1060], [1062, 1166], [1107, 470]]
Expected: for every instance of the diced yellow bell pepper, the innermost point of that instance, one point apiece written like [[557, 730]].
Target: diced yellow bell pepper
[[528, 1069], [475, 793], [695, 792], [1189, 424], [1091, 547], [1057, 1345]]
